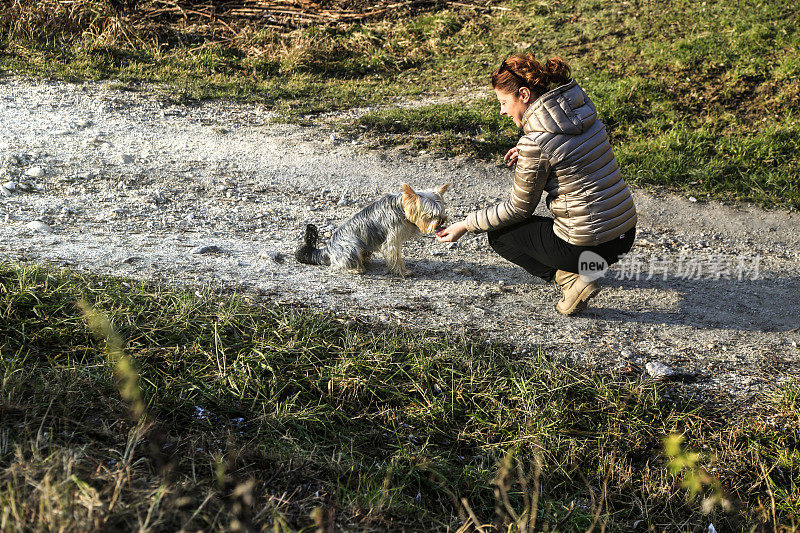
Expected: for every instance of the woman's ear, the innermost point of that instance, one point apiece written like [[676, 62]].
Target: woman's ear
[[525, 95]]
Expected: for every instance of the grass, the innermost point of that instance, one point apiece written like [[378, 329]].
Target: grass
[[194, 410], [700, 98], [476, 129]]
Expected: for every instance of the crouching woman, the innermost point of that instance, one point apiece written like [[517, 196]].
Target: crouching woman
[[564, 152]]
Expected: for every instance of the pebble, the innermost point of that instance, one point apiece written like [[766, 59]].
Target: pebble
[[158, 197], [692, 199], [126, 159], [627, 353], [207, 249], [10, 185], [658, 370], [343, 200], [35, 172], [24, 186], [277, 257], [96, 141], [5, 192], [39, 226]]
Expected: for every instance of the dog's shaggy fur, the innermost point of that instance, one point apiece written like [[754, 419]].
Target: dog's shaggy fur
[[382, 226]]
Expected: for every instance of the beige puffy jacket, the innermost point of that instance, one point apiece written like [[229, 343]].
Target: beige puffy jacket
[[565, 152]]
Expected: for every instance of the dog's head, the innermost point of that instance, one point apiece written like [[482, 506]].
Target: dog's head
[[425, 209]]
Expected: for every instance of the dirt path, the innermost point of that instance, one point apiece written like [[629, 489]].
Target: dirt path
[[132, 186]]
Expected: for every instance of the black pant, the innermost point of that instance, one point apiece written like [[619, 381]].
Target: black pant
[[533, 245]]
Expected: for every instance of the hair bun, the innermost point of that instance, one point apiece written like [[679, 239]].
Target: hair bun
[[557, 70], [523, 70]]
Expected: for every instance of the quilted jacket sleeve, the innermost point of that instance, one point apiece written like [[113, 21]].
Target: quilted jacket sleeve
[[533, 168]]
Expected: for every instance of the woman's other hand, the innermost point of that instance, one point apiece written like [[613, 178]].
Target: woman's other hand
[[512, 156], [452, 233]]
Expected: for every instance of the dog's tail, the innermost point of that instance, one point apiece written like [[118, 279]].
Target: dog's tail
[[308, 253]]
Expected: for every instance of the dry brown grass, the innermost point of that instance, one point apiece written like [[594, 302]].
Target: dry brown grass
[[59, 21]]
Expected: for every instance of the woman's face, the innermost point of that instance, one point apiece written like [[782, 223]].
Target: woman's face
[[514, 105]]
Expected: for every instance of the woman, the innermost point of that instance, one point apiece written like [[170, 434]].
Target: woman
[[565, 152]]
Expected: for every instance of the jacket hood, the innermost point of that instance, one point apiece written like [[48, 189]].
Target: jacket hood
[[566, 110]]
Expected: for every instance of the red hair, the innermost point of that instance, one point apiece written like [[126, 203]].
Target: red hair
[[522, 70]]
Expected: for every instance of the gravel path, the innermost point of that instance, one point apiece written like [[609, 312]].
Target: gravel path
[[133, 185]]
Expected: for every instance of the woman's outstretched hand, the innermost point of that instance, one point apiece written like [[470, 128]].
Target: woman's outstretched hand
[[452, 233], [512, 156]]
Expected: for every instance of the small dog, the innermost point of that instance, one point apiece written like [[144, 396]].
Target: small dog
[[381, 226]]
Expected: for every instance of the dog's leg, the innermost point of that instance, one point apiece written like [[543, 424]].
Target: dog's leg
[[392, 251], [359, 268], [355, 262]]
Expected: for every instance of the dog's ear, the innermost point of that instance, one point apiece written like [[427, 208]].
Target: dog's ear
[[408, 192], [410, 203], [441, 190]]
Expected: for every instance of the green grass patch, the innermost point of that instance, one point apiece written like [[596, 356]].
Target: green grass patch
[[475, 129], [267, 417]]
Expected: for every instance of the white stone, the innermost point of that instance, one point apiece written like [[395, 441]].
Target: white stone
[[658, 370], [627, 353], [10, 185], [207, 249], [35, 172], [39, 226], [95, 141]]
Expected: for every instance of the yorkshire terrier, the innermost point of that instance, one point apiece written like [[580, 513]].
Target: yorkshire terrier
[[384, 226]]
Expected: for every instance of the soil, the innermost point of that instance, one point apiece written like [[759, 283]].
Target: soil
[[134, 185]]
